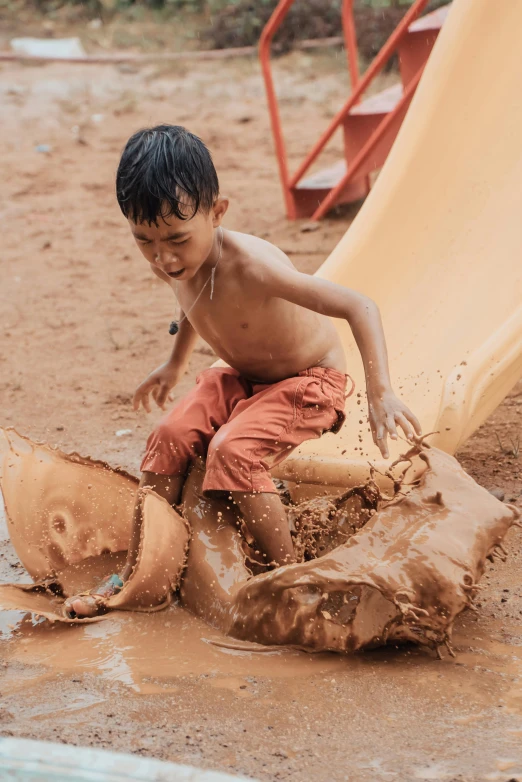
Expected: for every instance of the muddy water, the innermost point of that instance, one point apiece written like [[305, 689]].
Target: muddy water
[[149, 652], [406, 575], [369, 704], [8, 573]]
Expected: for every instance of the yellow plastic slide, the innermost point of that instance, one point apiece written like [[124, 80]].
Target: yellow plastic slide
[[438, 245]]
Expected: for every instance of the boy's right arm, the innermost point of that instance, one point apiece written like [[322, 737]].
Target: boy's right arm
[[160, 382]]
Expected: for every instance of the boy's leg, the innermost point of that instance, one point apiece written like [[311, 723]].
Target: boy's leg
[[167, 486], [267, 522], [261, 432], [182, 435]]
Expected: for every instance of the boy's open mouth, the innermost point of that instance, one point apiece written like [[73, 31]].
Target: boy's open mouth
[[176, 274]]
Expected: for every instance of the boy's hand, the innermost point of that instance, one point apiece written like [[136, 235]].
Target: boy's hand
[[158, 384], [386, 412]]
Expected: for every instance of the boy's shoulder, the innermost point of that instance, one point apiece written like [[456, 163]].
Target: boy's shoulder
[[252, 254]]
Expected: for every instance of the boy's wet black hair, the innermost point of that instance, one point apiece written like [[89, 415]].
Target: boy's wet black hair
[[165, 171]]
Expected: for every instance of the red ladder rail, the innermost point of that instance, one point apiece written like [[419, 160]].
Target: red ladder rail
[[366, 150], [358, 88], [265, 43], [350, 41]]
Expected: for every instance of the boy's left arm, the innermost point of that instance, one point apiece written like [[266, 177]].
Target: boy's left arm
[[386, 411]]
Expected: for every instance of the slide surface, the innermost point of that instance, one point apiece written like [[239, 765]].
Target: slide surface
[[438, 245]]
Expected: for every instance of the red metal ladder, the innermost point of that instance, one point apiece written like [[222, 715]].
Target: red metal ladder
[[369, 127]]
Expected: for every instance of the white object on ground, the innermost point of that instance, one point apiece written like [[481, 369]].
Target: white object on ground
[[27, 760], [123, 432], [48, 47]]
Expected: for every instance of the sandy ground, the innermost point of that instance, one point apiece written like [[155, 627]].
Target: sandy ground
[[83, 321]]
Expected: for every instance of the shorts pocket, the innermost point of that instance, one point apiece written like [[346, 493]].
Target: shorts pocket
[[313, 399], [317, 403]]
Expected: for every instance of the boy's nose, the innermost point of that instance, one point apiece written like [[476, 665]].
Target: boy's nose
[[165, 258]]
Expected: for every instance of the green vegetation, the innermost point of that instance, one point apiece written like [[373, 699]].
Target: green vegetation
[[216, 6], [222, 24], [240, 22]]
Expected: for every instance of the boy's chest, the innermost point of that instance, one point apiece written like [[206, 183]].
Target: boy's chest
[[229, 321], [233, 316]]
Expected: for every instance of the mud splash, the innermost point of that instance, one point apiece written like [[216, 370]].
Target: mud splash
[[65, 511], [404, 576]]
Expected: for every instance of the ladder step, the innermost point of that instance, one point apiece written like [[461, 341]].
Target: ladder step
[[433, 21], [416, 46], [310, 192], [382, 103], [324, 179], [364, 118]]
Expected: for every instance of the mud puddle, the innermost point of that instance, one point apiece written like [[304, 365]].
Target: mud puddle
[[150, 652], [153, 652]]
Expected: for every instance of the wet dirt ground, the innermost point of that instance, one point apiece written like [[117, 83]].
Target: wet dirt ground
[[83, 321]]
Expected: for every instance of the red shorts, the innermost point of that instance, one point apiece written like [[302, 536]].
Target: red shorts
[[243, 428]]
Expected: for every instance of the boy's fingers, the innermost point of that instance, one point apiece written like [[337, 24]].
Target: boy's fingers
[[136, 399], [390, 425], [414, 421], [405, 426], [381, 441], [139, 394], [157, 397], [163, 395], [158, 394]]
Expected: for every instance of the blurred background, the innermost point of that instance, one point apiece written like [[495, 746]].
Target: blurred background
[[151, 25]]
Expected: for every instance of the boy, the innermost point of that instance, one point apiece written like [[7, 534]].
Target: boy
[[285, 381]]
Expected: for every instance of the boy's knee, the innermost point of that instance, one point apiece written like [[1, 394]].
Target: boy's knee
[[163, 433], [222, 448], [181, 442]]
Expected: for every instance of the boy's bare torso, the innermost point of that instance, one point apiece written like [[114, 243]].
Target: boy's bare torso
[[263, 337]]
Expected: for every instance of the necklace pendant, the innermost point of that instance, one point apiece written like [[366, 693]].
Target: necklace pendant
[[174, 326]]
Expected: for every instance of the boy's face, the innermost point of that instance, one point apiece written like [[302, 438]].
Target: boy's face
[[179, 248]]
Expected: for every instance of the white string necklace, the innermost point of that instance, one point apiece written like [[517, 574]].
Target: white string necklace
[[175, 325]]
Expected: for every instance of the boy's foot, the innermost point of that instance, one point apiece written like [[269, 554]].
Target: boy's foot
[[92, 603]]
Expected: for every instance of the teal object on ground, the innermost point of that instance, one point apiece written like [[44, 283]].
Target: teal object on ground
[[42, 761]]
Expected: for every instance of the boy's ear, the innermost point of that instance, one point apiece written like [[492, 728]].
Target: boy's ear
[[219, 210]]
